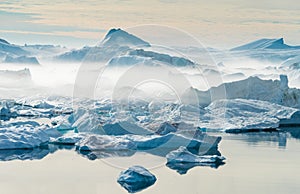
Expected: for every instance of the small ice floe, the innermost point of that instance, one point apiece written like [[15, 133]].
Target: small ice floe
[[182, 160], [136, 178]]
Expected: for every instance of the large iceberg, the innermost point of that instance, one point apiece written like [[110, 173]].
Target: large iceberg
[[242, 115], [276, 91], [136, 178], [25, 136]]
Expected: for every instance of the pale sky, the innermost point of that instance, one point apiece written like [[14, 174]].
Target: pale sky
[[216, 23]]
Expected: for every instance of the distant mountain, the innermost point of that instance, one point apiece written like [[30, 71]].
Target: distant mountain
[[119, 37], [115, 42], [119, 48], [265, 44], [10, 49]]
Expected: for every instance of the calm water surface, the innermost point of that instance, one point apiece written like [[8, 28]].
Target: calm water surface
[[256, 163]]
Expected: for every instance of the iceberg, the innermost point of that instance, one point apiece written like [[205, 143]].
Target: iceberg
[[22, 60], [115, 42], [94, 145], [86, 121], [24, 136], [162, 144], [240, 115], [254, 88], [293, 121], [92, 142], [182, 155], [136, 178], [67, 139], [182, 160]]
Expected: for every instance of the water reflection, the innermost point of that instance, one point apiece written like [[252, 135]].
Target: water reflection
[[294, 131], [255, 138], [30, 154], [101, 154]]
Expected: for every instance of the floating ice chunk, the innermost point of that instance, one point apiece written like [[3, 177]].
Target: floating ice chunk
[[242, 114], [136, 178], [182, 160], [104, 142], [23, 137], [172, 141], [182, 155], [68, 139]]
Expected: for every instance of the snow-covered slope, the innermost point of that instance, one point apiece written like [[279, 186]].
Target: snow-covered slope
[[266, 44]]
